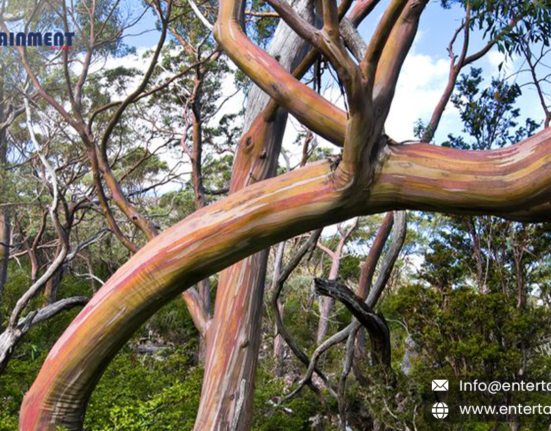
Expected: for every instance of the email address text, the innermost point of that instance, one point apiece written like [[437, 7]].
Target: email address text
[[497, 387]]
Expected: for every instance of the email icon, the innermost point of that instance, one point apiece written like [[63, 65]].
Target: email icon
[[440, 385]]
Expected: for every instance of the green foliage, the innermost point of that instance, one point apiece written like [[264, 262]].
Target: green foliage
[[159, 392], [297, 413], [173, 324], [493, 17], [468, 334], [301, 325], [138, 391], [31, 352], [489, 117]]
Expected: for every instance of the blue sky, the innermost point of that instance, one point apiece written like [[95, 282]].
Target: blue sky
[[423, 77]]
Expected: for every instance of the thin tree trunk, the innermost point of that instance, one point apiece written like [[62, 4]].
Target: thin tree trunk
[[5, 233], [278, 339], [326, 302], [367, 273], [50, 291], [90, 267]]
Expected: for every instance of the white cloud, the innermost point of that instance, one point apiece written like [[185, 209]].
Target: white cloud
[[420, 86], [495, 58]]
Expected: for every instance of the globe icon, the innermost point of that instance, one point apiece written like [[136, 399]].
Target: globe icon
[[440, 410]]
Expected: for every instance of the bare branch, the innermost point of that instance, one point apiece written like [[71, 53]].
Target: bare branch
[[36, 317], [398, 237], [375, 324], [353, 39], [277, 286], [370, 264], [199, 15], [378, 41]]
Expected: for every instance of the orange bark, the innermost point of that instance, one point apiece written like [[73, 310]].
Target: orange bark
[[371, 178], [233, 338], [513, 182]]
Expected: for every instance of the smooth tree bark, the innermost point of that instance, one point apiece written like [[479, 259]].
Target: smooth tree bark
[[279, 348], [272, 211], [327, 302], [367, 272], [232, 348], [372, 176], [256, 160]]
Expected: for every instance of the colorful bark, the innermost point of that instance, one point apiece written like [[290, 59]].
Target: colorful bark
[[268, 74], [233, 338], [392, 177], [367, 272], [369, 266], [512, 182]]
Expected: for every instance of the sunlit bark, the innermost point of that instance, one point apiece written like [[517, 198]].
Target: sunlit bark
[[511, 182], [372, 176], [233, 336]]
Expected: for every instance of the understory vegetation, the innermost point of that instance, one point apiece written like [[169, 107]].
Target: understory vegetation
[[139, 168]]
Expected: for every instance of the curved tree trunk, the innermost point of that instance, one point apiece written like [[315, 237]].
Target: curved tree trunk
[[512, 182], [373, 176]]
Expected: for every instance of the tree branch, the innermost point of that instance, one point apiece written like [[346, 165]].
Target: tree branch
[[512, 182], [375, 324], [398, 238], [277, 287]]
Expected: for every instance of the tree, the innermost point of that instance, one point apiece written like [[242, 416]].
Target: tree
[[374, 174], [17, 325], [10, 109]]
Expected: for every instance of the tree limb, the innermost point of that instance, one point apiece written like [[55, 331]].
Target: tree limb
[[375, 324]]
